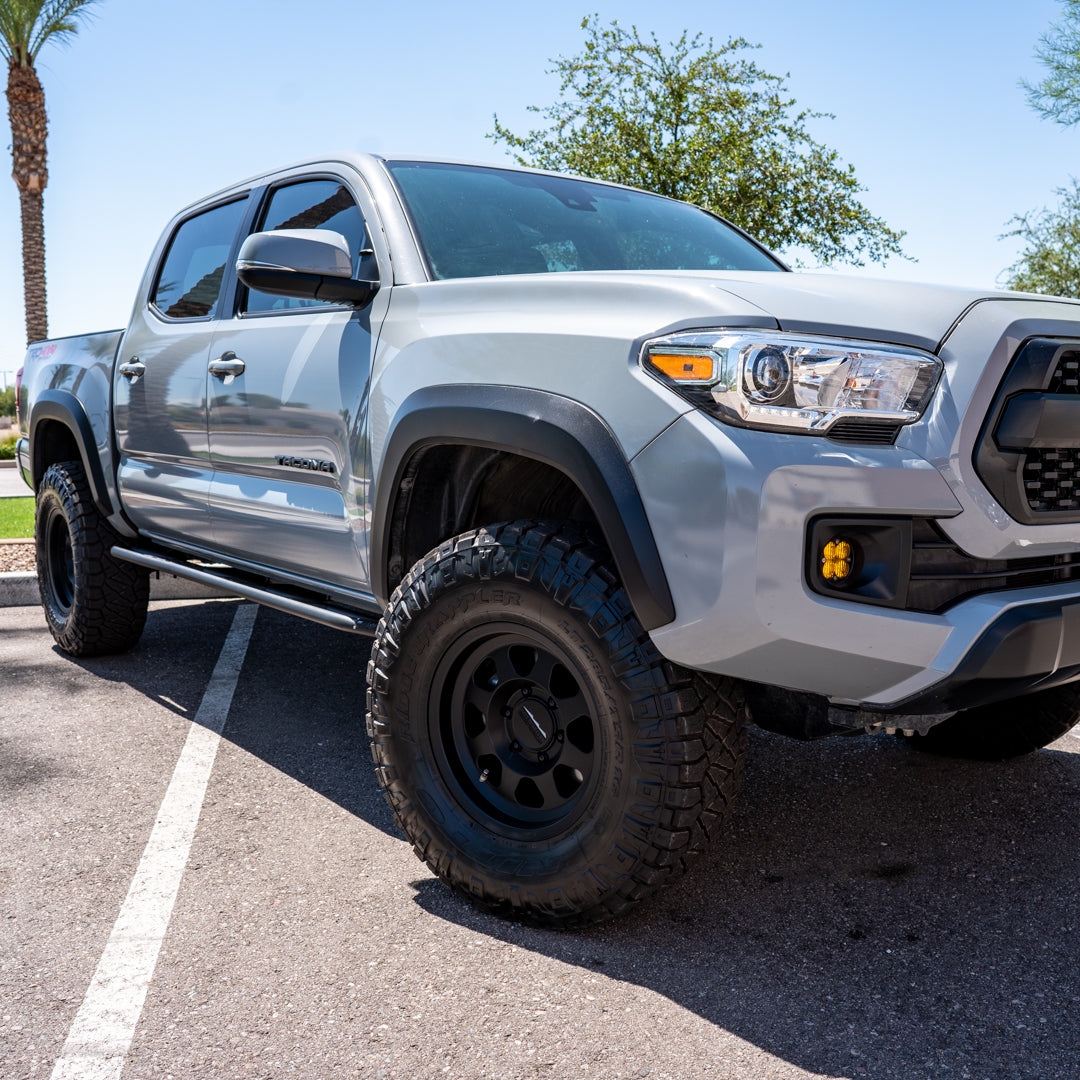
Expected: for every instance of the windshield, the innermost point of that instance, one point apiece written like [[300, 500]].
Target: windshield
[[476, 222]]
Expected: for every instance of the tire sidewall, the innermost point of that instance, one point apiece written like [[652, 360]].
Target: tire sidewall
[[55, 502], [581, 856]]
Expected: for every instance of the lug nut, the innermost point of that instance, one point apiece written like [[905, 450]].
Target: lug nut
[[515, 746], [542, 756]]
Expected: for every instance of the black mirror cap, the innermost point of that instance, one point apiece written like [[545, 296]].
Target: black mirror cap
[[334, 290]]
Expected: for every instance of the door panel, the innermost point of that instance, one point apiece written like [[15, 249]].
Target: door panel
[[159, 387], [284, 432], [286, 462]]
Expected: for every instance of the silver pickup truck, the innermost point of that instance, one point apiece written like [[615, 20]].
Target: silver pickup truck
[[609, 478]]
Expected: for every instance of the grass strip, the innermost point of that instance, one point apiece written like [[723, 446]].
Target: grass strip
[[16, 518]]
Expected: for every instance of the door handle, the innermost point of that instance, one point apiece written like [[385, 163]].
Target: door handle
[[226, 366], [133, 369]]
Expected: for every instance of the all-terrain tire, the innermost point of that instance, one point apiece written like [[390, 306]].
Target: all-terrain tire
[[1005, 729], [94, 604], [540, 755]]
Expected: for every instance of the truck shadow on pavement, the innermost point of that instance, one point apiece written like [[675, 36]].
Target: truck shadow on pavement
[[869, 912], [299, 703]]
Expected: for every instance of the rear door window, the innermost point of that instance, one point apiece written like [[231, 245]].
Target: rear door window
[[189, 281]]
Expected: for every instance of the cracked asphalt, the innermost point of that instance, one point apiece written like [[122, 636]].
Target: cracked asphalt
[[871, 912]]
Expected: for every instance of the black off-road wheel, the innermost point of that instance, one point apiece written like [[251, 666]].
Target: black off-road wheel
[[1004, 729], [94, 604], [540, 755]]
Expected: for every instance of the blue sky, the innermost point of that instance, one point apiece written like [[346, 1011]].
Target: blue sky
[[154, 105]]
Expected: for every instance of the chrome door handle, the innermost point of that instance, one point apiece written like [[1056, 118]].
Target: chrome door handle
[[227, 365], [133, 369]]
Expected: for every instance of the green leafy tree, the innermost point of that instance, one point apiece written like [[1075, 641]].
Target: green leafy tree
[[26, 26], [1050, 262], [702, 123], [1057, 97]]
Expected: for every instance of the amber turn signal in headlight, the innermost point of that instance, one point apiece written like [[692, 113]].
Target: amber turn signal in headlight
[[684, 367], [781, 381]]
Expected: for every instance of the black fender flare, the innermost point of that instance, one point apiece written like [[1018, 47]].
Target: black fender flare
[[65, 408], [546, 427]]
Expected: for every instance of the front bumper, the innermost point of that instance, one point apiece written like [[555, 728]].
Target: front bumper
[[731, 510]]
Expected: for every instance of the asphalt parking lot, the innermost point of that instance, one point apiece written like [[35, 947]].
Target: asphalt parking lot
[[871, 913]]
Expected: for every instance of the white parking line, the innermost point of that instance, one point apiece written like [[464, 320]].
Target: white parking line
[[100, 1037]]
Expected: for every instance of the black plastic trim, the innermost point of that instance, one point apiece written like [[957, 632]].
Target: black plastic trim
[[1039, 421], [555, 430], [1025, 409], [65, 408], [1032, 647]]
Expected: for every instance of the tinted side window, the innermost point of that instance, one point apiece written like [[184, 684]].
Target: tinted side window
[[189, 282], [311, 204]]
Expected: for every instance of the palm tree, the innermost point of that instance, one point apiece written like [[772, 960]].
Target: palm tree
[[25, 26]]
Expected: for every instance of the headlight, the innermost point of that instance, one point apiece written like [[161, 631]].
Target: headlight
[[794, 382]]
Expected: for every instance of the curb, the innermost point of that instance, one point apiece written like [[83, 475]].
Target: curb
[[20, 589]]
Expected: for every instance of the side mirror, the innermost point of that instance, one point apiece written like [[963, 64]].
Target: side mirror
[[310, 264]]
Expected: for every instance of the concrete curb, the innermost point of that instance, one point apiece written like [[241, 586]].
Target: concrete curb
[[21, 589]]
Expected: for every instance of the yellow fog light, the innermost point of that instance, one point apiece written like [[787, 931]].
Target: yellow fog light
[[837, 561]]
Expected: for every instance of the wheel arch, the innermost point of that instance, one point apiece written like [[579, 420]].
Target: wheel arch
[[60, 430], [493, 429]]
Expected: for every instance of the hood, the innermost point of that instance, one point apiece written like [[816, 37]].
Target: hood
[[896, 311]]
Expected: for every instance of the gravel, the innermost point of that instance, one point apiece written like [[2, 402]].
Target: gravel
[[16, 555]]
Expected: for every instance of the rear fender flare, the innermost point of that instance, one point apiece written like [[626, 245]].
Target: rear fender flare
[[66, 409]]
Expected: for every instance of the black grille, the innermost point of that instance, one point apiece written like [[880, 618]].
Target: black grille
[[1066, 377], [1028, 458], [1052, 480], [942, 574]]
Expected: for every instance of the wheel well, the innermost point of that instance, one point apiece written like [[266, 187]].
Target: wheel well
[[448, 489], [53, 442]]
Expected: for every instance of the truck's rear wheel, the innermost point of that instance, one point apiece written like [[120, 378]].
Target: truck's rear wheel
[[94, 604], [1005, 729], [541, 756]]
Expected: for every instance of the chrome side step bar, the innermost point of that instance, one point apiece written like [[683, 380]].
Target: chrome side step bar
[[336, 618]]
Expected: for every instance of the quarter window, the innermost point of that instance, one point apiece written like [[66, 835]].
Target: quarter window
[[189, 283], [311, 204]]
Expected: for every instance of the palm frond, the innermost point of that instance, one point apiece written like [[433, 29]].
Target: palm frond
[[26, 25]]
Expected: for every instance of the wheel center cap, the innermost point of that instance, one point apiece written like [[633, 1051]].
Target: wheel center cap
[[532, 724]]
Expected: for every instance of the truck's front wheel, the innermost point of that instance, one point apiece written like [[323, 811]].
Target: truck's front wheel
[[94, 604], [541, 756]]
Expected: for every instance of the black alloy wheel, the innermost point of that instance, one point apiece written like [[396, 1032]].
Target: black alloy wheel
[[514, 729]]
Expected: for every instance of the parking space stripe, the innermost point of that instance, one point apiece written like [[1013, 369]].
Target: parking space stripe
[[101, 1035]]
